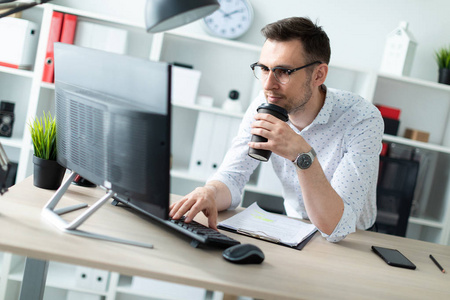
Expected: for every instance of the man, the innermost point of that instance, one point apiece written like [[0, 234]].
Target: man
[[339, 131]]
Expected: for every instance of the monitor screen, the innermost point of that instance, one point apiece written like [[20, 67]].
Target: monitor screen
[[113, 123]]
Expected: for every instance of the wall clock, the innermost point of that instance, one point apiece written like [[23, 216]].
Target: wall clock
[[231, 20]]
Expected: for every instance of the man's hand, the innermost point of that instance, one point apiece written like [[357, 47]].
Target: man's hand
[[202, 199], [282, 140]]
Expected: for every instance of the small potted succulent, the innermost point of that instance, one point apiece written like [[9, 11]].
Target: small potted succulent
[[443, 61], [48, 174]]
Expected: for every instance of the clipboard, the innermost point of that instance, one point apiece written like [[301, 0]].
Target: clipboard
[[275, 228], [300, 246]]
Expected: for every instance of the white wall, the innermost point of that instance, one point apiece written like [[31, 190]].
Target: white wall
[[357, 28]]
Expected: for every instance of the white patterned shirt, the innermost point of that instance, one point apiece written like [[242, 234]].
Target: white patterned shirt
[[346, 135]]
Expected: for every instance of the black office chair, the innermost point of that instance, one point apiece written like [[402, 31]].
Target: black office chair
[[395, 192]]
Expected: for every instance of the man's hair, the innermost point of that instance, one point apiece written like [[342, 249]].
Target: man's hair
[[314, 39]]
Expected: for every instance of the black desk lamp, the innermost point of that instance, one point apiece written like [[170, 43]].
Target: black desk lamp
[[160, 15]]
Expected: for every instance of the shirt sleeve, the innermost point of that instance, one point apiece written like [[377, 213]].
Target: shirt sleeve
[[237, 166], [356, 176]]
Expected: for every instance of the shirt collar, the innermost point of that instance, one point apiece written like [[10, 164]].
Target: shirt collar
[[325, 112]]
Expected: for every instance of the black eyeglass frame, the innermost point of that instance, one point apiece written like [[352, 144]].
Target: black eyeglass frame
[[288, 71]]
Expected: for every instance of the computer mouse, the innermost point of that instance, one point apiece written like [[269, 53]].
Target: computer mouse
[[243, 254]]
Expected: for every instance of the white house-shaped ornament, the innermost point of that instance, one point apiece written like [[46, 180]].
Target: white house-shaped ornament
[[399, 51]]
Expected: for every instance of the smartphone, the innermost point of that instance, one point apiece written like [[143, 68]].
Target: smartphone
[[393, 257]]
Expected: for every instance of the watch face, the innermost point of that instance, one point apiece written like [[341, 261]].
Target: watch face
[[304, 161], [231, 20]]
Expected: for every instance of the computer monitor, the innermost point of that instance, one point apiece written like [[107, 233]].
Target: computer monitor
[[113, 122]]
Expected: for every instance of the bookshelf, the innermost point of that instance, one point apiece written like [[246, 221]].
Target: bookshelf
[[225, 66]]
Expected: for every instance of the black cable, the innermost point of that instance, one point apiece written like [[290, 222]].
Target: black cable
[[16, 9], [9, 1]]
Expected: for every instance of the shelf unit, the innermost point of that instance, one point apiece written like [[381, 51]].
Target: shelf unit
[[424, 106], [225, 66], [62, 279]]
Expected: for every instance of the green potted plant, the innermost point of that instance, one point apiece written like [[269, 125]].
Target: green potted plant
[[48, 174], [443, 61]]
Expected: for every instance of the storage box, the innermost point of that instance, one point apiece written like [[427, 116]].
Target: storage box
[[185, 85], [417, 135], [101, 37], [19, 39], [91, 279]]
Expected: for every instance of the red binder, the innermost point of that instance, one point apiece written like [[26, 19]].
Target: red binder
[[389, 112], [55, 33], [68, 29]]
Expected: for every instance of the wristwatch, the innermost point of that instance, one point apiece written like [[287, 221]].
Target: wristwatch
[[305, 160]]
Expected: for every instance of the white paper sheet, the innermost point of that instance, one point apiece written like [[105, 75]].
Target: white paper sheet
[[257, 222]]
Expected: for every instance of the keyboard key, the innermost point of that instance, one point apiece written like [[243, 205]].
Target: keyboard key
[[204, 234]]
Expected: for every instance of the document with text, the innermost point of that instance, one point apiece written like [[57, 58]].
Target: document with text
[[256, 222]]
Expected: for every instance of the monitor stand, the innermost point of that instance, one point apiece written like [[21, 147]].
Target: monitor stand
[[54, 215]]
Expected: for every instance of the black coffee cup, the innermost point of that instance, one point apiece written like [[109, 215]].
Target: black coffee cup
[[274, 110]]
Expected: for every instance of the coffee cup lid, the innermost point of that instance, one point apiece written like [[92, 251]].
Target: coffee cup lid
[[284, 115]]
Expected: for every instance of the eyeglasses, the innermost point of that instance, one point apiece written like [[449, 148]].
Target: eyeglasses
[[282, 75]]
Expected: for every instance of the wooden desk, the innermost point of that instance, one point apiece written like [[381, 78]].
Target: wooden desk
[[322, 270]]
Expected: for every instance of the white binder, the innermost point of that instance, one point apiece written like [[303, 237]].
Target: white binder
[[219, 142], [198, 165], [214, 134], [233, 131]]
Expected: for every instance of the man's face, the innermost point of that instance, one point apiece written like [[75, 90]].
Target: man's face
[[295, 94]]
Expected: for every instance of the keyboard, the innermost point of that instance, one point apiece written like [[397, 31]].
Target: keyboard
[[201, 234]]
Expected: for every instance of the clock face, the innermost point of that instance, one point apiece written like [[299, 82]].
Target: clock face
[[231, 20]]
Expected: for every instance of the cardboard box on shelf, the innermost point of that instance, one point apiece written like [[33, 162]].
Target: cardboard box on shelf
[[417, 135]]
